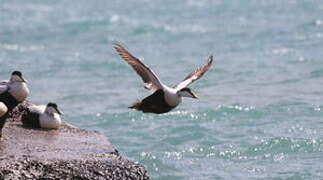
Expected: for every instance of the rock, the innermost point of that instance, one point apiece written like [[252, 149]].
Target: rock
[[66, 153]]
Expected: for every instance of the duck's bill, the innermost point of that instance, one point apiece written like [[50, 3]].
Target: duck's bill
[[194, 96], [24, 80], [59, 111]]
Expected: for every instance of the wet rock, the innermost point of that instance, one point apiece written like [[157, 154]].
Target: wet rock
[[67, 153]]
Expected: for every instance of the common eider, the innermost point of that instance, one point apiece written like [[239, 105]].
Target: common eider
[[12, 92], [163, 98], [41, 116]]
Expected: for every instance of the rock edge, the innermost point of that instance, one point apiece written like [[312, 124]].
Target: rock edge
[[67, 153]]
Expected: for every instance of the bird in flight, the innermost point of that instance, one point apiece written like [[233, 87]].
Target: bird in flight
[[163, 98]]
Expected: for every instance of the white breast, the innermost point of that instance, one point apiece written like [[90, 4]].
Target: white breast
[[50, 122], [3, 109], [171, 97], [19, 90]]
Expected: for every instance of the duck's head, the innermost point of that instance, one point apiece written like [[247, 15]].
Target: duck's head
[[186, 92], [16, 76], [52, 108]]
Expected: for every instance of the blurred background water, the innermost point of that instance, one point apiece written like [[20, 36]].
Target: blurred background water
[[259, 115]]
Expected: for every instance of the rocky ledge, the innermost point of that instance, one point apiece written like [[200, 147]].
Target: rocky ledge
[[67, 153]]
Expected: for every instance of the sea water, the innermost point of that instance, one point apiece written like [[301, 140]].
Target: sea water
[[259, 115]]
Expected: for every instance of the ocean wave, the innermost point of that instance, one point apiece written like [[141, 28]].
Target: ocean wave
[[21, 48], [158, 26]]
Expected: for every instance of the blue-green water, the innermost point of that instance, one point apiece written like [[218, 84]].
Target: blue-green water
[[259, 115]]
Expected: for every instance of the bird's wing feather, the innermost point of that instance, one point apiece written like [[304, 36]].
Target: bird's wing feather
[[37, 108], [3, 88], [195, 75], [147, 75], [3, 82]]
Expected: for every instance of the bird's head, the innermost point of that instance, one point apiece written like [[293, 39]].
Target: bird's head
[[16, 76], [186, 92], [52, 108]]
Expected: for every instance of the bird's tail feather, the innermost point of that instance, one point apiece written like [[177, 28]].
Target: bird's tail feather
[[136, 105]]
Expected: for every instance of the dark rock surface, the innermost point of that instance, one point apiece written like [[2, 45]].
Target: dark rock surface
[[67, 153]]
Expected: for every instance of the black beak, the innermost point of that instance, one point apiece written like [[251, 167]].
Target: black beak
[[23, 79], [59, 112], [194, 95]]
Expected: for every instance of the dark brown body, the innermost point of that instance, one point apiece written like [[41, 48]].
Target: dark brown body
[[154, 103], [30, 119]]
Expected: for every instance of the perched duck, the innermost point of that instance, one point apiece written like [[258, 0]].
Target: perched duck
[[47, 117], [3, 116], [163, 98], [12, 92]]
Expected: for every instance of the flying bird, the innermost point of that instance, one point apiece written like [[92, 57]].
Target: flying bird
[[163, 98]]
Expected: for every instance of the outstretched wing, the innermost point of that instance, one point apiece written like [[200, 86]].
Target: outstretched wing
[[147, 75], [195, 75]]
